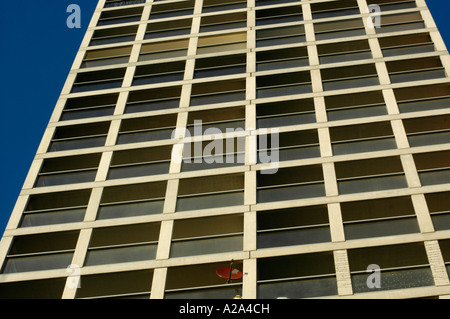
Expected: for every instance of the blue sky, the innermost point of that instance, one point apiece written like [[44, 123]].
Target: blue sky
[[36, 55]]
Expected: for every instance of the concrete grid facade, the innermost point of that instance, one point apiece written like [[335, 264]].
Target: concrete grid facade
[[363, 178]]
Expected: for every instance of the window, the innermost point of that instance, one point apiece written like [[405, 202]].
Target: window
[[110, 17], [90, 106], [349, 77], [445, 250], [223, 22], [279, 36], [220, 66], [222, 43], [208, 235], [153, 99], [168, 28], [171, 10], [293, 226], [211, 154], [439, 207], [283, 84], [210, 192], [98, 80], [388, 5], [68, 170], [132, 200], [159, 73], [145, 129], [282, 59], [201, 282], [379, 217], [164, 50], [416, 70], [222, 5], [297, 276], [433, 167], [33, 289], [218, 92], [122, 244], [292, 145], [283, 113], [401, 266], [406, 44], [344, 51], [421, 98], [118, 285], [368, 137], [214, 121], [334, 9], [79, 136], [117, 3], [370, 175], [104, 57], [355, 105], [260, 3], [339, 29], [291, 183], [55, 208], [114, 35], [428, 130], [279, 15], [40, 252], [400, 22], [140, 162]]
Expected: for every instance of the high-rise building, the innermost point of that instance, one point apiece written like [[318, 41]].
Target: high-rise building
[[300, 147]]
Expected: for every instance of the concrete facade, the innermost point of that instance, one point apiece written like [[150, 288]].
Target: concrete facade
[[379, 129]]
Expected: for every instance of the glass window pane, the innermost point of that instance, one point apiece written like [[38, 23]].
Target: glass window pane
[[295, 289], [364, 146], [381, 228], [395, 279], [66, 178], [206, 246], [302, 236], [290, 193], [131, 209], [434, 177], [37, 263], [372, 184], [138, 170], [210, 201], [121, 255], [53, 218]]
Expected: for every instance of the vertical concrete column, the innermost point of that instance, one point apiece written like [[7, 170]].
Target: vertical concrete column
[[171, 196], [165, 239], [249, 281], [325, 142], [57, 112], [94, 204], [16, 215], [46, 140], [336, 223], [103, 167], [400, 134], [343, 277], [422, 213], [329, 175], [33, 173], [5, 244], [409, 167], [158, 283], [437, 264], [74, 276], [121, 103]]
